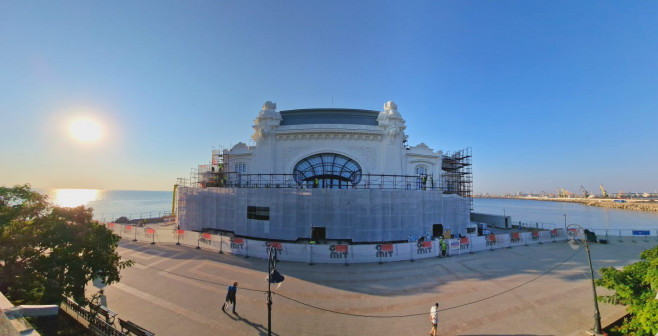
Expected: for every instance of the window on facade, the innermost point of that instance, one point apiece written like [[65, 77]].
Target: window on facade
[[259, 213], [421, 170], [327, 170], [241, 167]]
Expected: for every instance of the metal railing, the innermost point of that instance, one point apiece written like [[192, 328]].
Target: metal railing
[[96, 325], [368, 181]]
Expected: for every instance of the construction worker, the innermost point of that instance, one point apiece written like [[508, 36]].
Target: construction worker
[[316, 183], [444, 247]]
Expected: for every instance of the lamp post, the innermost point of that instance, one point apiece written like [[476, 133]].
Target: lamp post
[[580, 234], [273, 276], [565, 222]]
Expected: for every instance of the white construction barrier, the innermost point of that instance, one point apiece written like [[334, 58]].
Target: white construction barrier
[[332, 253]]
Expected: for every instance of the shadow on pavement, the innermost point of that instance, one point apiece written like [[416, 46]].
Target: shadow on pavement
[[404, 277]]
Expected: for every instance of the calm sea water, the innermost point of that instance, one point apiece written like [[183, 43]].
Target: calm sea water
[[111, 204], [594, 218]]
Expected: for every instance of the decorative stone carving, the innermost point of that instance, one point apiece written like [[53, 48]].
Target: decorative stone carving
[[391, 108], [240, 147], [268, 119], [269, 111], [334, 135]]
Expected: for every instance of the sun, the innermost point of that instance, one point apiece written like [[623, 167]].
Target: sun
[[85, 130]]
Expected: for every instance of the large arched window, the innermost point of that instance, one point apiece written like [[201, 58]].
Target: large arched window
[[421, 170], [327, 170]]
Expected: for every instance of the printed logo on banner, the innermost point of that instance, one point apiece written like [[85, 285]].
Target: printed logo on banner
[[338, 251], [464, 243], [424, 247], [384, 250], [454, 244], [277, 246], [206, 238], [237, 243]]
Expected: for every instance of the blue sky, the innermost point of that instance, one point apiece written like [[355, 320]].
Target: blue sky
[[548, 94]]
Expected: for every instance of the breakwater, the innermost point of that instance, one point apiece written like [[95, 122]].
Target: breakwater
[[627, 204]]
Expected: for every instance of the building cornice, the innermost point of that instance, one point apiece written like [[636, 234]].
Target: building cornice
[[330, 134]]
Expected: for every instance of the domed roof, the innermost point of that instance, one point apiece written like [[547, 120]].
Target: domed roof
[[329, 116]]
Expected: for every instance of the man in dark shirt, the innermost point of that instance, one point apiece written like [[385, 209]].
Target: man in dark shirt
[[230, 296]]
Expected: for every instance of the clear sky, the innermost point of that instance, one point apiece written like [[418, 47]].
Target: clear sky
[[548, 94]]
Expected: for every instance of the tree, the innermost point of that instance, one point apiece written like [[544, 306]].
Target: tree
[[635, 286], [48, 252]]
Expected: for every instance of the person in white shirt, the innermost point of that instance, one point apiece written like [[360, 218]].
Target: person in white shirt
[[434, 318]]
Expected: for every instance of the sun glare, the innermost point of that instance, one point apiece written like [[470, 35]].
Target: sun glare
[[85, 130], [74, 197]]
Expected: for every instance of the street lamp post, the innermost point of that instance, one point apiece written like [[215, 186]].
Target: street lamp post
[[565, 222], [273, 276], [581, 235]]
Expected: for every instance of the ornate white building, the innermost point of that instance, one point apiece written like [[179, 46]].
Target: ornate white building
[[329, 174]]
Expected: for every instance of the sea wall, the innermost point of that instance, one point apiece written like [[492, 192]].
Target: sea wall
[[628, 204]]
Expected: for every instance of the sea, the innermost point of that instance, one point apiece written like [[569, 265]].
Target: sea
[[559, 214], [109, 205]]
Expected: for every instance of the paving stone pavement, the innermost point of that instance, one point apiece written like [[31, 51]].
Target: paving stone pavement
[[527, 290]]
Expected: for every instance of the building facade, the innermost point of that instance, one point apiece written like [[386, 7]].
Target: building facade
[[328, 174]]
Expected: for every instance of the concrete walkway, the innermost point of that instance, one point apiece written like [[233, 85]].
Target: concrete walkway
[[527, 290]]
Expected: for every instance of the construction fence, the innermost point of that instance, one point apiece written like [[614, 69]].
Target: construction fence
[[333, 253]]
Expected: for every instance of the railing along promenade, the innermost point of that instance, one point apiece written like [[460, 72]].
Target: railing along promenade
[[96, 325]]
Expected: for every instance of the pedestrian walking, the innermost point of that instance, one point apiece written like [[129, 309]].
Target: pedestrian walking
[[230, 297], [434, 318]]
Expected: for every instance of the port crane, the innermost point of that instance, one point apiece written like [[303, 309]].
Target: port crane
[[603, 192], [584, 191]]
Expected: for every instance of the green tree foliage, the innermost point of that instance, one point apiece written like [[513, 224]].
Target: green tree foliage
[[635, 286], [47, 252]]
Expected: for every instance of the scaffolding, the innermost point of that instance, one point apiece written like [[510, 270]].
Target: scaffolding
[[457, 176]]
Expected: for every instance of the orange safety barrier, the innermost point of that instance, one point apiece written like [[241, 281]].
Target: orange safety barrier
[[426, 244], [387, 247], [180, 232], [111, 225], [341, 248], [553, 233], [150, 231], [207, 236], [128, 227], [238, 240], [463, 242], [276, 245]]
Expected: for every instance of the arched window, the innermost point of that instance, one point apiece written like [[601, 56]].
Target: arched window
[[421, 170], [327, 170]]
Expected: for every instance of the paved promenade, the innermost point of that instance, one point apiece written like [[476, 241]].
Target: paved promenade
[[526, 290]]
